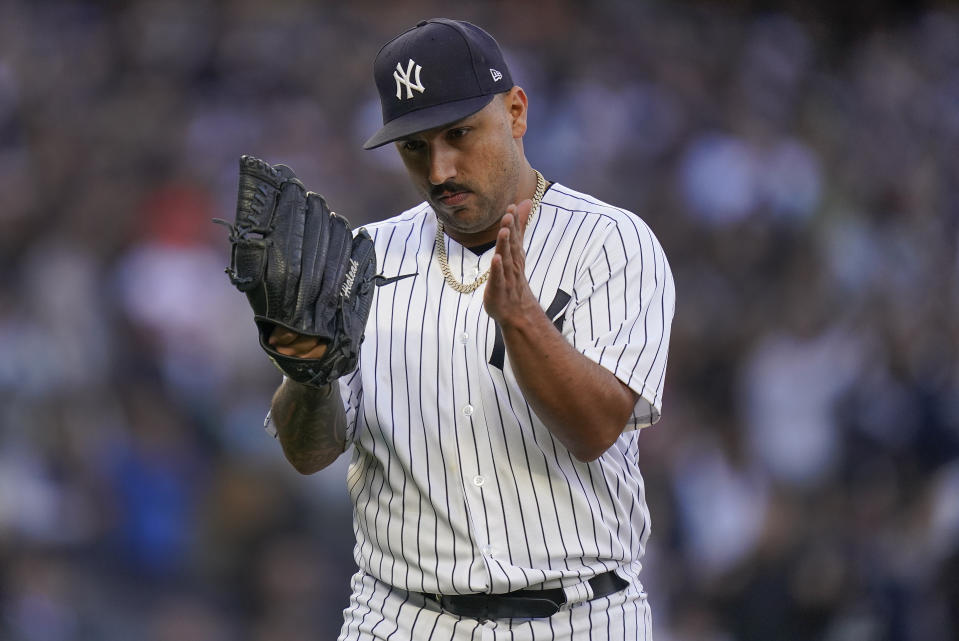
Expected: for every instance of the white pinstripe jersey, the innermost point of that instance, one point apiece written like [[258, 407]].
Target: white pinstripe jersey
[[457, 485]]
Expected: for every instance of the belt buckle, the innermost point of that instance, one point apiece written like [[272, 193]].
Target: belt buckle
[[486, 607], [532, 607]]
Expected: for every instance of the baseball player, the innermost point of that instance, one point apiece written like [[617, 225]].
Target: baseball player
[[514, 337]]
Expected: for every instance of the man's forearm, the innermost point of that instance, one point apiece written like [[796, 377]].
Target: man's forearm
[[310, 424], [583, 404]]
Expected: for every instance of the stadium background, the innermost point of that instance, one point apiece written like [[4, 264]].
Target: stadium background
[[798, 164]]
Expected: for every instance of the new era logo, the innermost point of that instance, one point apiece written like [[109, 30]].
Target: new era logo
[[497, 76]]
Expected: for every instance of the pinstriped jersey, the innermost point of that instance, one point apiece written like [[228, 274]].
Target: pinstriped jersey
[[457, 485]]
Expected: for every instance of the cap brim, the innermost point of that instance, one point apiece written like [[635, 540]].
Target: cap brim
[[423, 119]]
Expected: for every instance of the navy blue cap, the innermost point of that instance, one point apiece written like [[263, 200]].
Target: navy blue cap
[[434, 74]]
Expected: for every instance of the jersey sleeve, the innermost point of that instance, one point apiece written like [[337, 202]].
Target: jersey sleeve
[[622, 309], [351, 390]]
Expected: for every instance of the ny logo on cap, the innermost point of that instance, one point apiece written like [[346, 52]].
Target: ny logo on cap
[[403, 78]]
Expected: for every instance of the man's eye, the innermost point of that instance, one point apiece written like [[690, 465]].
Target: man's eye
[[459, 132], [411, 145]]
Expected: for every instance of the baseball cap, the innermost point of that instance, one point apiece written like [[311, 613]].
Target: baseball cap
[[436, 73]]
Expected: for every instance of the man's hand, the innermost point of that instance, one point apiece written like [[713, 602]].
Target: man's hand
[[508, 298], [290, 343], [580, 402], [303, 269]]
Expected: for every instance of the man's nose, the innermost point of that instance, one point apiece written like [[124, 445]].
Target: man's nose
[[442, 165]]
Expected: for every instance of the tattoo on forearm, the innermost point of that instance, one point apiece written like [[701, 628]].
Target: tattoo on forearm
[[311, 425]]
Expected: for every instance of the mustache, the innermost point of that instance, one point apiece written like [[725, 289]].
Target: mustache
[[447, 187]]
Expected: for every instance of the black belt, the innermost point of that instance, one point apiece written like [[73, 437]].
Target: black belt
[[522, 604]]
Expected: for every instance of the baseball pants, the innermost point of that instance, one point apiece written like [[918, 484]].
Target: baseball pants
[[380, 612]]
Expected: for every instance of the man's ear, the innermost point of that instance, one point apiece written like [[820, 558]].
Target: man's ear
[[516, 106]]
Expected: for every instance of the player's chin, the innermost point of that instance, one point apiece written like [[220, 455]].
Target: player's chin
[[452, 215], [465, 220]]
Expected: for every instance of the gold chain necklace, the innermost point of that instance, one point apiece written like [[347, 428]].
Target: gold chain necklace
[[463, 288]]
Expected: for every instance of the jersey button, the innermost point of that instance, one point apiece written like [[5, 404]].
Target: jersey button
[[468, 410], [478, 480], [464, 337], [487, 550]]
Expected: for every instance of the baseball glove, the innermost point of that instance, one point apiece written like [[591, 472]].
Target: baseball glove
[[301, 268]]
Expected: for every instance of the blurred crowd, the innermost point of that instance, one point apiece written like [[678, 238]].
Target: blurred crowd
[[804, 479]]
